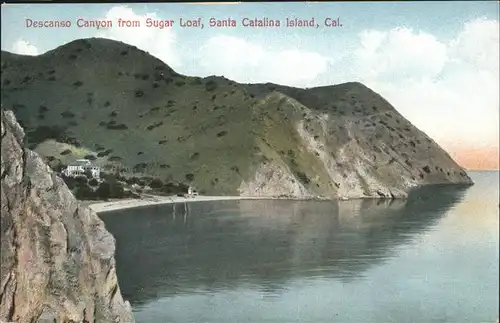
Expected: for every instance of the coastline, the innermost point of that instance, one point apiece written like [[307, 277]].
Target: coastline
[[149, 200], [101, 207]]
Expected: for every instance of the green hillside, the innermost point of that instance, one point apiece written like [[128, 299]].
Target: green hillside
[[135, 114]]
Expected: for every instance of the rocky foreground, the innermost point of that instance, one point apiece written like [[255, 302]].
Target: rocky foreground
[[57, 259]]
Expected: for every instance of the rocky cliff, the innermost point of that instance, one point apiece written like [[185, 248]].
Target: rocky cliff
[[127, 110], [57, 259]]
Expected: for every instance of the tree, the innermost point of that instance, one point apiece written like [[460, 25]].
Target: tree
[[156, 183], [70, 181], [116, 190], [103, 191], [88, 173], [81, 181], [84, 192]]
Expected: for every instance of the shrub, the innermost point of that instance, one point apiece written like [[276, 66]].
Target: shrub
[[138, 168], [26, 79], [139, 93], [190, 177], [70, 181], [131, 180], [210, 86], [115, 158], [103, 191], [93, 182], [42, 109], [426, 169], [172, 188], [113, 114], [117, 190], [84, 192], [196, 81], [81, 180], [78, 84], [303, 178], [104, 153], [90, 98], [180, 83], [67, 114], [222, 133], [154, 125], [120, 126], [156, 183], [65, 152]]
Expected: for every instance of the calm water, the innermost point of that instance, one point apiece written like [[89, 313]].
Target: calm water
[[433, 258]]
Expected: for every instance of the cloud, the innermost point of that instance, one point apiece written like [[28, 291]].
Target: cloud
[[158, 42], [23, 47], [448, 89], [399, 54], [246, 61], [477, 44]]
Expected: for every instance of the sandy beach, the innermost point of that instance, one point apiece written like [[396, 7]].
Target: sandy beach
[[100, 207]]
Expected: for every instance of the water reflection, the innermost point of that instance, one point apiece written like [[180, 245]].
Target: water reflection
[[204, 247]]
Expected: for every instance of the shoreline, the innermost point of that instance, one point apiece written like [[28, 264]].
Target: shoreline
[[150, 200], [122, 204]]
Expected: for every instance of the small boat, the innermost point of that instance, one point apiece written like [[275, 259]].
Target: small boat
[[343, 198]]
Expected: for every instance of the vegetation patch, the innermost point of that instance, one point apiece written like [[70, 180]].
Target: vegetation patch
[[210, 86], [154, 125]]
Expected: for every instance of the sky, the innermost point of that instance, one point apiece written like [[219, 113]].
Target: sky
[[436, 62]]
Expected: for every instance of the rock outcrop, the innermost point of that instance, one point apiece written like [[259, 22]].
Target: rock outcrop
[[57, 259], [363, 152]]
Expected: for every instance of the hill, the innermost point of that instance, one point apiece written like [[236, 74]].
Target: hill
[[130, 111]]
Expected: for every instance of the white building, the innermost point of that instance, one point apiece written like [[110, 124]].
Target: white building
[[192, 192], [80, 166]]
